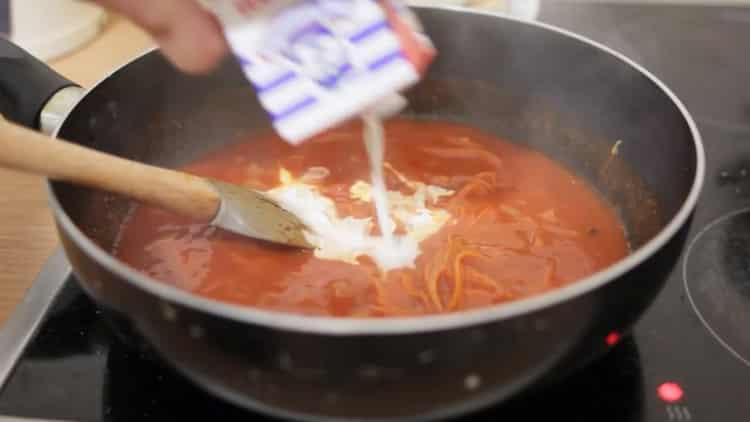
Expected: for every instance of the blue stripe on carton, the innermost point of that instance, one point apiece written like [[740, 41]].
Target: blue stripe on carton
[[245, 62], [281, 80], [369, 31], [385, 60], [294, 108]]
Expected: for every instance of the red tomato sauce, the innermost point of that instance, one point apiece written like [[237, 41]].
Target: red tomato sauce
[[523, 225]]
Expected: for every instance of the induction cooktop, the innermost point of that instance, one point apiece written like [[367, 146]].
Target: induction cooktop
[[688, 359]]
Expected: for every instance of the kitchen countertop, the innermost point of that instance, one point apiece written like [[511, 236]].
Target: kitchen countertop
[[27, 233]]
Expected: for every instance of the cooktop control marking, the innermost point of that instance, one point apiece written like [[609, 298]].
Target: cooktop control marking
[[678, 413]]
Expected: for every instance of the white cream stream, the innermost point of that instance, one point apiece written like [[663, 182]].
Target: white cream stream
[[348, 238]]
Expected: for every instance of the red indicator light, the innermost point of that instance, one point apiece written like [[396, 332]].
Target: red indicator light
[[612, 338], [669, 392]]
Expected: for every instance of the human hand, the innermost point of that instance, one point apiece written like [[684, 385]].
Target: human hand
[[189, 35]]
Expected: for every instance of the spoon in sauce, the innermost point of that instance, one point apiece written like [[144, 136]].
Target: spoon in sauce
[[231, 207]]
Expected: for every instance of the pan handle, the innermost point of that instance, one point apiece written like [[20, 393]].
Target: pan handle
[[26, 85]]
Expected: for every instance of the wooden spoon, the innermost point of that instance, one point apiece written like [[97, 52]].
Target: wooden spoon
[[230, 207]]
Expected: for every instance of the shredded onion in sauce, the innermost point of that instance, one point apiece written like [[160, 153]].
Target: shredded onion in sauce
[[504, 223]]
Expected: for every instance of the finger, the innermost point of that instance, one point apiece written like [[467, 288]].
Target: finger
[[188, 35]]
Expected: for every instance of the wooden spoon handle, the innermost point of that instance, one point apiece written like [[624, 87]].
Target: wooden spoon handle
[[29, 151]]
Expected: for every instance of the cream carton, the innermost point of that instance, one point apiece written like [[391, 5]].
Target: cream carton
[[316, 63]]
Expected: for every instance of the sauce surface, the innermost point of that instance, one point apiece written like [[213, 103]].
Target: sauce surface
[[521, 224]]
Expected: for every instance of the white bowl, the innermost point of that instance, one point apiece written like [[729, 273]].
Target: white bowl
[[51, 28]]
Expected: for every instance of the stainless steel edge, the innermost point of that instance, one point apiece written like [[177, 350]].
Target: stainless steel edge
[[58, 107], [28, 315], [18, 419]]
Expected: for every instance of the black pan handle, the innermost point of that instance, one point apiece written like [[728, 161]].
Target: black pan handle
[[26, 84]]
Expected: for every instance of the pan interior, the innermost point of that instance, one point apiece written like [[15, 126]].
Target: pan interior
[[536, 87]]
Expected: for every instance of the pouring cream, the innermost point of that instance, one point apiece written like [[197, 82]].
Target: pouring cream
[[348, 238]]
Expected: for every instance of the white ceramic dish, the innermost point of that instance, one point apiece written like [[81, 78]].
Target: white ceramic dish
[[52, 28]]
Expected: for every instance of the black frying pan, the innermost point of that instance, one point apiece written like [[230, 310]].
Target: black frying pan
[[537, 85]]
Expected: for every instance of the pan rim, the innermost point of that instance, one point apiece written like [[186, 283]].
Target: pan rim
[[407, 325]]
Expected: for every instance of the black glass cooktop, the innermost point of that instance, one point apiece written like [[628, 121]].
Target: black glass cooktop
[[687, 360]]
